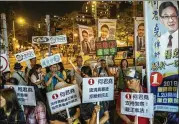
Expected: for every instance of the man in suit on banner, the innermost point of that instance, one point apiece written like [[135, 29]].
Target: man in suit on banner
[[85, 42], [140, 38]]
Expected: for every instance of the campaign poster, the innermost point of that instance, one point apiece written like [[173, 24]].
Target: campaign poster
[[98, 89], [140, 54], [137, 104], [87, 39], [161, 29], [106, 29]]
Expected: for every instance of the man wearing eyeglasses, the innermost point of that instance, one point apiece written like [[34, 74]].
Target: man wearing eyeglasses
[[169, 41]]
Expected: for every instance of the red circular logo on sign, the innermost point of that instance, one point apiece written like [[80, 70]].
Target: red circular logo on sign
[[54, 96], [91, 81], [3, 60], [128, 96], [156, 79]]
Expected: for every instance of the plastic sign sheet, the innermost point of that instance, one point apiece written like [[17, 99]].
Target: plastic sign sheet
[[51, 60], [40, 39], [63, 98], [4, 64], [137, 104], [55, 40], [98, 89], [24, 56], [162, 54], [25, 94]]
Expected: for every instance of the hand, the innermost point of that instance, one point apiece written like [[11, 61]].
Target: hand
[[130, 122], [70, 120], [96, 108]]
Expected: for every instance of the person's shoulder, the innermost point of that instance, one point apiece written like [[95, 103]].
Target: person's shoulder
[[165, 35]]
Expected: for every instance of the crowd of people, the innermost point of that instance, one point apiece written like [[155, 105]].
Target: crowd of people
[[56, 77]]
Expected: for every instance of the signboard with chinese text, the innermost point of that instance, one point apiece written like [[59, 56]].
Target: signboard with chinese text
[[162, 54], [25, 94], [64, 98], [106, 48], [4, 64], [137, 104], [98, 89], [40, 39], [24, 56], [60, 39], [51, 60]]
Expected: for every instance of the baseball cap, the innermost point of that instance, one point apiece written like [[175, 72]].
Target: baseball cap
[[131, 74]]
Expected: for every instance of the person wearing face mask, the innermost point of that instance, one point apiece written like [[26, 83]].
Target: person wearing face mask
[[133, 85], [10, 110], [89, 110]]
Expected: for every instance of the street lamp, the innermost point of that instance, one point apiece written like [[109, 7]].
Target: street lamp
[[20, 21]]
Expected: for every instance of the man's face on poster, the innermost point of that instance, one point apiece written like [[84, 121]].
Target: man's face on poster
[[140, 31], [169, 19], [104, 32], [85, 36]]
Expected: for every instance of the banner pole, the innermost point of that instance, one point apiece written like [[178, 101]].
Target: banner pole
[[97, 115], [68, 114]]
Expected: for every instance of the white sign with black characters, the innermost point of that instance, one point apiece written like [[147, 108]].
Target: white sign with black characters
[[25, 94], [137, 104], [40, 39], [98, 89], [24, 56], [51, 60], [60, 39], [61, 99]]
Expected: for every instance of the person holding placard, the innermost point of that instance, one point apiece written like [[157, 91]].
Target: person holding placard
[[75, 73], [62, 70], [89, 110], [53, 78], [10, 110], [33, 62], [133, 85]]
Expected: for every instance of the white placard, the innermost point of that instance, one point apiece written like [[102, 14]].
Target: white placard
[[137, 104], [24, 56], [51, 60], [61, 39], [4, 64], [67, 97], [40, 39], [98, 89], [25, 94]]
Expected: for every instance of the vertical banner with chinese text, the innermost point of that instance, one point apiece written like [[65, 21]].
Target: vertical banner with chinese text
[[139, 41], [106, 44], [161, 27]]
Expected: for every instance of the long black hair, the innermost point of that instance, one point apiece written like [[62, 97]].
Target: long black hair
[[34, 70], [86, 70], [9, 95], [61, 67]]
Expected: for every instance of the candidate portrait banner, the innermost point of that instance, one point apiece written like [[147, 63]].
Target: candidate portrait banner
[[140, 54], [24, 56], [4, 64], [98, 89], [61, 99], [137, 104], [25, 94], [87, 39], [51, 60], [106, 29], [162, 55]]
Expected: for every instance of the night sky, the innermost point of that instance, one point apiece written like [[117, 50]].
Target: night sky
[[34, 10]]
